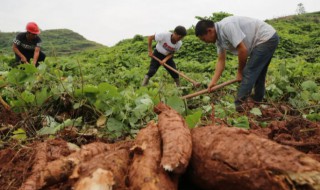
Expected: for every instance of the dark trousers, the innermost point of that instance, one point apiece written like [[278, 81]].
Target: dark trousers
[[154, 65], [29, 55], [255, 71]]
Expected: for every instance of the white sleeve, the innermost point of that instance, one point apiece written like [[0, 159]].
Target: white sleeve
[[179, 45], [159, 37], [16, 41], [234, 34]]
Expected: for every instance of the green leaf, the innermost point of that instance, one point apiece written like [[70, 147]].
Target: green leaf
[[176, 103], [193, 119], [241, 122], [90, 89], [47, 131], [256, 111], [28, 96], [19, 134], [145, 99], [313, 117], [219, 112], [264, 124], [207, 108], [315, 96], [140, 110], [20, 76], [77, 105], [109, 90], [282, 69], [42, 96], [309, 85], [115, 125], [28, 68], [206, 99], [305, 95], [53, 127], [290, 89], [108, 112]]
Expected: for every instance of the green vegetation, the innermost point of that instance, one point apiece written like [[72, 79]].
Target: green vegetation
[[55, 42], [104, 84], [299, 36]]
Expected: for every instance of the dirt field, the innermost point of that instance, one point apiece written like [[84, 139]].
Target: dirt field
[[17, 161]]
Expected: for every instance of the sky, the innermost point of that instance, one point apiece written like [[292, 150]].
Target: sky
[[110, 21]]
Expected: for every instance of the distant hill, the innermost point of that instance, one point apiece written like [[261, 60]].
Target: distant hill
[[299, 36], [55, 42]]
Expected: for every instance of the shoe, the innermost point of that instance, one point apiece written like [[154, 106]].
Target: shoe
[[251, 100], [145, 81], [240, 108], [177, 81]]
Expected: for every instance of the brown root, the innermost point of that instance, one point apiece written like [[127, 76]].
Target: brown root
[[231, 158], [144, 172], [176, 140]]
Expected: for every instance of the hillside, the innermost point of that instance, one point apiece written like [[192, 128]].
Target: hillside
[[299, 36], [55, 42]]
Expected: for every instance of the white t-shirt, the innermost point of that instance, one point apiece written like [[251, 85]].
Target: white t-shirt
[[235, 29], [164, 45]]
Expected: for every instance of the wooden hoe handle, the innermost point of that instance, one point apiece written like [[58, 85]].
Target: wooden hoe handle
[[212, 89], [4, 104], [196, 84]]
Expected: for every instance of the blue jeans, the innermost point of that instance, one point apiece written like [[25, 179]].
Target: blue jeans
[[255, 71]]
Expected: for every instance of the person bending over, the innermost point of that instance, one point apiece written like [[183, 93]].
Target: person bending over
[[252, 40], [26, 45], [167, 44]]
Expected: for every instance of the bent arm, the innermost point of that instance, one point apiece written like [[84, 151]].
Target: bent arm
[[219, 67], [242, 59], [218, 70], [17, 51], [36, 55], [150, 39], [169, 56]]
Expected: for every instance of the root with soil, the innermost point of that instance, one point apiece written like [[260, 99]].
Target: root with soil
[[211, 157]]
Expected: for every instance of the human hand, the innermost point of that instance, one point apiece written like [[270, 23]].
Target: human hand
[[239, 76], [24, 59], [150, 54], [211, 84]]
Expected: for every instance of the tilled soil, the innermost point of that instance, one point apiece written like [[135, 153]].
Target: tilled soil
[[16, 160]]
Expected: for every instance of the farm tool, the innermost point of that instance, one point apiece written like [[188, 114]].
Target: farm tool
[[4, 104], [195, 83], [212, 89]]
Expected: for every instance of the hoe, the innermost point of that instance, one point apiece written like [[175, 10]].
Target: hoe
[[195, 84]]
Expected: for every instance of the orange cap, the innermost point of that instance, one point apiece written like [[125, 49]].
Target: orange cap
[[33, 28]]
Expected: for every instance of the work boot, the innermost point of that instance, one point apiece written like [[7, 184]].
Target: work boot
[[145, 80], [177, 81], [240, 108]]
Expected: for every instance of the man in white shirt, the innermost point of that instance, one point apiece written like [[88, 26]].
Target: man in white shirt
[[167, 44], [252, 40]]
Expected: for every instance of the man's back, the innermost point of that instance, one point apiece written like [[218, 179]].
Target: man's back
[[234, 29]]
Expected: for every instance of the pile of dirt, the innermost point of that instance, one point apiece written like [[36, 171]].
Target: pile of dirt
[[14, 167], [17, 162], [8, 117], [222, 157]]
